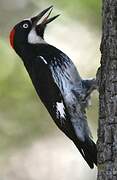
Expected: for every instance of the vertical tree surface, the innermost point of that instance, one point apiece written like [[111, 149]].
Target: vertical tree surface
[[107, 132]]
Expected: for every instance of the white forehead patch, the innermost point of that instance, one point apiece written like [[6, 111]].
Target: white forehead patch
[[33, 38]]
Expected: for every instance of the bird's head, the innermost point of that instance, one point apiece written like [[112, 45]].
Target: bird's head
[[31, 30]]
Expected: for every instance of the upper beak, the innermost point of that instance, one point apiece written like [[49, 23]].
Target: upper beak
[[46, 19]]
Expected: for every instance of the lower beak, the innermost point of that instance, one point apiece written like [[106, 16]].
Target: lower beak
[[46, 19]]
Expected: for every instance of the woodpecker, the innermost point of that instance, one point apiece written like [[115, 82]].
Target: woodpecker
[[56, 80]]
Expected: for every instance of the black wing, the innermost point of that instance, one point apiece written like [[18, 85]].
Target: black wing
[[50, 94], [53, 100]]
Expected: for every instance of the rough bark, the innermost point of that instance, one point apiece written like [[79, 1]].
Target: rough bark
[[107, 76]]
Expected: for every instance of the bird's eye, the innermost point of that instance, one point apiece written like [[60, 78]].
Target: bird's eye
[[25, 25]]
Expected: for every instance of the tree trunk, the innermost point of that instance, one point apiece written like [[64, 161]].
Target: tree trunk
[[107, 78]]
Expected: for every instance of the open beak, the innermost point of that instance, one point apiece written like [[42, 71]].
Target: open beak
[[46, 19]]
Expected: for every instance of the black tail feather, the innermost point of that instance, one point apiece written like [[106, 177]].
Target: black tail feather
[[88, 150]]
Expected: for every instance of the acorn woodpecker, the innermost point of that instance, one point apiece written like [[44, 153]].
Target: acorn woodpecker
[[57, 82]]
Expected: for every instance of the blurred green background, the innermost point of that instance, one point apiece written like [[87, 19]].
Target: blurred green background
[[23, 119]]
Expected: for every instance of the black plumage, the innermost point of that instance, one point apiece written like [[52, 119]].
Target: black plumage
[[57, 82]]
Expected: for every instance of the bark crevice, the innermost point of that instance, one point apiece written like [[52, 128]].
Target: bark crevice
[[107, 80]]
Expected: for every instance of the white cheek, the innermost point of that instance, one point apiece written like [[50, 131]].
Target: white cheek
[[33, 38]]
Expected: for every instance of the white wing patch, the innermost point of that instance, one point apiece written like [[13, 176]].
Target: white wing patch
[[43, 59], [33, 38], [60, 109]]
